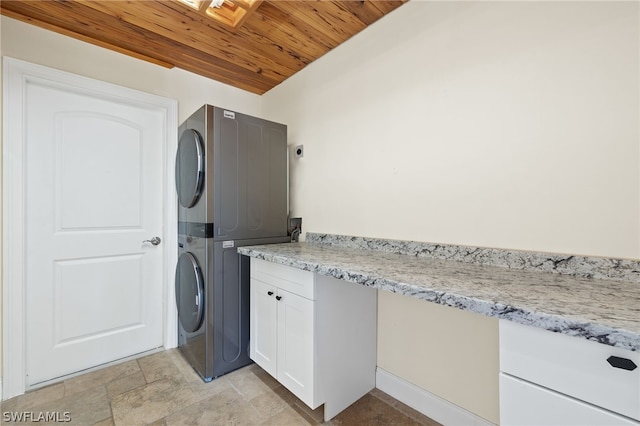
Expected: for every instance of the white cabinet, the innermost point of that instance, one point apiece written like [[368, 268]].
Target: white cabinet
[[316, 335], [526, 404], [264, 326], [553, 379], [282, 338]]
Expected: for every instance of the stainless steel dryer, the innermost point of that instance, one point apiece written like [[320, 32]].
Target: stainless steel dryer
[[231, 174], [232, 191]]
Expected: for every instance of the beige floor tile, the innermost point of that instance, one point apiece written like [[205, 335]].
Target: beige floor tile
[[185, 368], [100, 377], [269, 404], [382, 396], [160, 366], [288, 417], [40, 396], [372, 411], [151, 402], [84, 408], [206, 390], [251, 383], [162, 390], [264, 377], [10, 405], [105, 422], [313, 417], [225, 408], [403, 408], [125, 384]]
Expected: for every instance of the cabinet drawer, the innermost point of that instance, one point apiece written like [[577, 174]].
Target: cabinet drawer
[[572, 366], [287, 278], [525, 404]]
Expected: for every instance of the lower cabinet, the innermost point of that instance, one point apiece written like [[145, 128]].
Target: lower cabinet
[[553, 379], [282, 342], [316, 335], [524, 403]]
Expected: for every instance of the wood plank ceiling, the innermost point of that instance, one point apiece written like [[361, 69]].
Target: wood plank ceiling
[[273, 40]]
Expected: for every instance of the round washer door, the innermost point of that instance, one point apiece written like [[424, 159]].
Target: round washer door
[[189, 168], [189, 292]]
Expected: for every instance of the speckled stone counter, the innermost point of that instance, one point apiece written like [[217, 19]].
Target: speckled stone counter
[[553, 292]]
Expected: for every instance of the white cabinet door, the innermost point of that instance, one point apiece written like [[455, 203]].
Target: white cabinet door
[[522, 403], [263, 334], [296, 354]]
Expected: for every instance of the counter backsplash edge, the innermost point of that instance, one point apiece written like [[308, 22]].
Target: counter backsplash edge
[[565, 264]]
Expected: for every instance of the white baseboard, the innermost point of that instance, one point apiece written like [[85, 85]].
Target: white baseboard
[[430, 405]]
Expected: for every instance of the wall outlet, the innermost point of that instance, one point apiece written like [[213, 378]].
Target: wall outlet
[[294, 223], [299, 151], [295, 228]]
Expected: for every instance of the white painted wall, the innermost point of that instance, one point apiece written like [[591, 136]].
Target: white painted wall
[[29, 43], [498, 124]]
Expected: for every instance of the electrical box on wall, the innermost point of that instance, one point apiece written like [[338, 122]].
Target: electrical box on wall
[[295, 228], [299, 151]]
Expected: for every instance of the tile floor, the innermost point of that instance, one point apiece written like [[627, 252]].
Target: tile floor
[[162, 389]]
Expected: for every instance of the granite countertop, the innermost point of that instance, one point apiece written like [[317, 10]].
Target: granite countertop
[[602, 310]]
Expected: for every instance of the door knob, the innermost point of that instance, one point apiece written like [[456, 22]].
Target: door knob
[[155, 241]]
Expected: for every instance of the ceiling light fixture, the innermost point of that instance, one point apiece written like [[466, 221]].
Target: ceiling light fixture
[[231, 13], [194, 4]]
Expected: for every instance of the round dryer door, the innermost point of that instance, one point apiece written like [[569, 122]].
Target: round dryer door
[[189, 292], [189, 168]]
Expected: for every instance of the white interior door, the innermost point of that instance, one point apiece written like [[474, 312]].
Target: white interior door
[[93, 193]]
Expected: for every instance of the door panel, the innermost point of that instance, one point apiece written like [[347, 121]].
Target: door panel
[[264, 326], [93, 194], [296, 345], [83, 279], [91, 189]]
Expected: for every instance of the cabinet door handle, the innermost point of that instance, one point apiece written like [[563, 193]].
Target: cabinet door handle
[[278, 297], [270, 293], [623, 363]]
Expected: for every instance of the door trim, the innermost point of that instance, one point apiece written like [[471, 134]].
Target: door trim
[[16, 74]]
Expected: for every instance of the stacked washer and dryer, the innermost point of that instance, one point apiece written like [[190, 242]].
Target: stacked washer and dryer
[[231, 179]]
